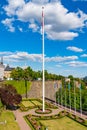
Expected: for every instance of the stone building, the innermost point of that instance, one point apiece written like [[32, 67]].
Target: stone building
[[7, 72]]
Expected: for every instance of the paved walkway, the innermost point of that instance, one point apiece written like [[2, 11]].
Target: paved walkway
[[21, 121], [24, 126]]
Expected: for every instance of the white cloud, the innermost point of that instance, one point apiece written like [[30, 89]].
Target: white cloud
[[8, 23], [22, 56], [5, 53], [34, 27], [20, 29], [84, 55], [13, 6], [60, 58], [79, 0], [59, 66], [75, 49], [77, 64], [58, 20], [40, 1], [61, 35]]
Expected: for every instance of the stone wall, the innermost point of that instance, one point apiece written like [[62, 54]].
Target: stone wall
[[50, 89]]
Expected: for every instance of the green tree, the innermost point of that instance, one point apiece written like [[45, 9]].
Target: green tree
[[17, 73]]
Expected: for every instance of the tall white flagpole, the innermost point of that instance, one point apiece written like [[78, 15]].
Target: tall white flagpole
[[80, 100], [75, 97], [69, 87], [43, 58], [65, 93]]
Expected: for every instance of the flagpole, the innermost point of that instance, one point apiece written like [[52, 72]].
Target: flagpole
[[69, 96], [80, 101], [43, 58], [61, 96], [65, 93], [75, 97]]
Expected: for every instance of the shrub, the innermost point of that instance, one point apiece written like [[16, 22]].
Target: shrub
[[60, 114], [85, 122], [70, 115], [9, 96]]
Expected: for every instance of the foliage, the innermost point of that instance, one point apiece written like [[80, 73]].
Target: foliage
[[1, 105], [19, 85], [29, 74], [9, 96], [59, 121], [85, 79], [62, 96]]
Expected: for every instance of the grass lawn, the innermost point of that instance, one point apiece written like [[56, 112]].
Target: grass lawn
[[27, 103], [11, 124], [37, 102], [64, 123], [19, 85]]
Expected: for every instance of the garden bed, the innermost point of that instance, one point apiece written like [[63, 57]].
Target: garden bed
[[40, 111], [42, 122]]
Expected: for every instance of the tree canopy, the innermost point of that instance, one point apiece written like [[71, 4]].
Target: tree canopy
[[29, 74], [9, 96]]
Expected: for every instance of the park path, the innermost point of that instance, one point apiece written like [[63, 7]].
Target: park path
[[21, 121], [24, 126], [19, 116]]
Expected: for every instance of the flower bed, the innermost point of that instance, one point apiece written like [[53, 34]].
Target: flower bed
[[36, 124], [40, 111], [26, 108]]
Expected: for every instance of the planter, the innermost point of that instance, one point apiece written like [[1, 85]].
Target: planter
[[40, 111]]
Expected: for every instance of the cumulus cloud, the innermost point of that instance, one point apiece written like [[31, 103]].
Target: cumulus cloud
[[40, 1], [22, 56], [34, 27], [84, 55], [58, 20], [59, 66], [60, 58], [79, 0], [12, 6], [75, 49], [20, 29], [8, 23], [5, 53], [77, 64]]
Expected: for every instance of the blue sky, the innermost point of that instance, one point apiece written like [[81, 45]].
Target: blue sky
[[65, 35]]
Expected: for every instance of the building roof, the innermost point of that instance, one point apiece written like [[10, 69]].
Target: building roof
[[8, 68]]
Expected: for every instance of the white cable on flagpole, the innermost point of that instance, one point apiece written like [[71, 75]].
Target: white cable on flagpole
[[43, 58]]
